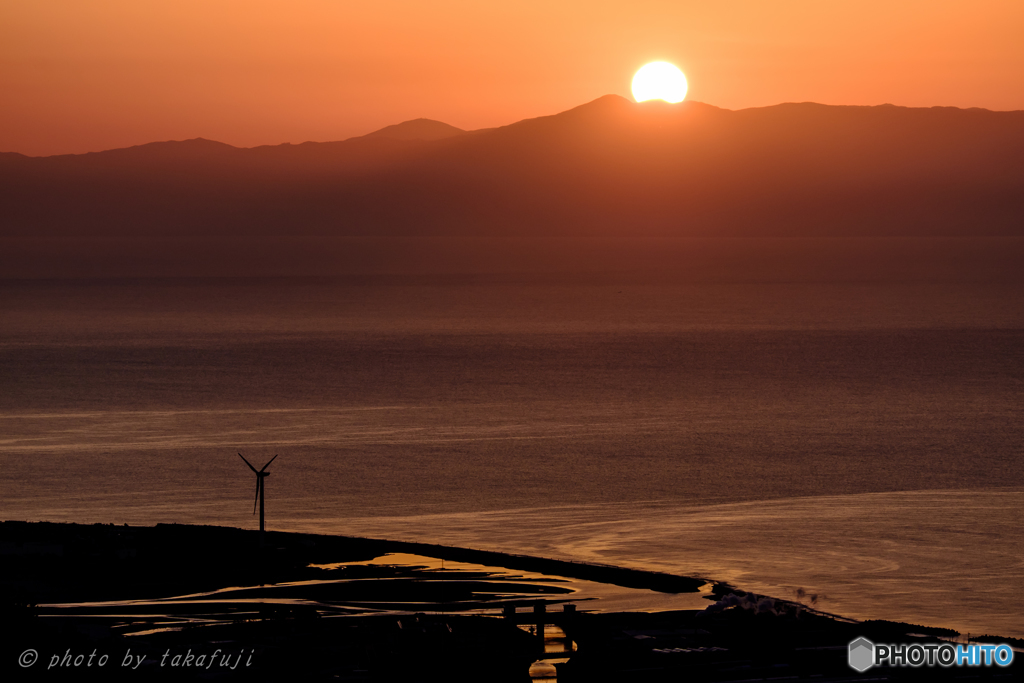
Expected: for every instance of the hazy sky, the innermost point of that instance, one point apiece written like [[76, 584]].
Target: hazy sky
[[85, 75]]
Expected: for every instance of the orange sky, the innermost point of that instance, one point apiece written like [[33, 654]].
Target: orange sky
[[85, 75]]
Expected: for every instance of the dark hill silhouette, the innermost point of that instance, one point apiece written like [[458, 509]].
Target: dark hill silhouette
[[418, 129], [610, 167]]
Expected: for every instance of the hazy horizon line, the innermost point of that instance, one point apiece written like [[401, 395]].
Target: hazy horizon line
[[478, 130]]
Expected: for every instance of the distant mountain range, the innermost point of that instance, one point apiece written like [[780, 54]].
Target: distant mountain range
[[609, 168]]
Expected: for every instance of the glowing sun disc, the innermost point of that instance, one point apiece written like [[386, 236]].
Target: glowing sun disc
[[659, 81]]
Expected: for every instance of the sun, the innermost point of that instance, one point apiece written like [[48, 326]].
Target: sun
[[659, 81]]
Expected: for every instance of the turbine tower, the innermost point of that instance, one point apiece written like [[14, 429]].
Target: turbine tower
[[260, 476]]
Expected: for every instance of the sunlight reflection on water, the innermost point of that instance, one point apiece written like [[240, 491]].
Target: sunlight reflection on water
[[940, 558]]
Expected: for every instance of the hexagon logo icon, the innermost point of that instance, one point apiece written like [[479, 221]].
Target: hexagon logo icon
[[862, 654]]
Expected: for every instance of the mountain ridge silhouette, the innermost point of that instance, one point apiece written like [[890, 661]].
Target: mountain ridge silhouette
[[610, 167]]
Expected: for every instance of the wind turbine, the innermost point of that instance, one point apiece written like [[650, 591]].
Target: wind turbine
[[260, 476]]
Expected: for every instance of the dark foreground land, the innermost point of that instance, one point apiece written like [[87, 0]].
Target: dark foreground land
[[176, 602]]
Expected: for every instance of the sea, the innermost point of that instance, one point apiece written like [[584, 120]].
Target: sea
[[851, 443]]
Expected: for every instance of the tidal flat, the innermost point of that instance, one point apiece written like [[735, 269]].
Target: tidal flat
[[156, 599]]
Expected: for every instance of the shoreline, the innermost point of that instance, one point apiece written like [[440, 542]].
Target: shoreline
[[285, 551], [355, 604], [275, 558]]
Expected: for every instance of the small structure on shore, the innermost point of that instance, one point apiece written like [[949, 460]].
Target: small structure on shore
[[261, 474]]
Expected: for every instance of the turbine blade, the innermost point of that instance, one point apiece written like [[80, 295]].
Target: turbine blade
[[268, 463], [259, 481], [247, 462]]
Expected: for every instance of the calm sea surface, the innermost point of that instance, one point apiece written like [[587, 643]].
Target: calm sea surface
[[859, 442]]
